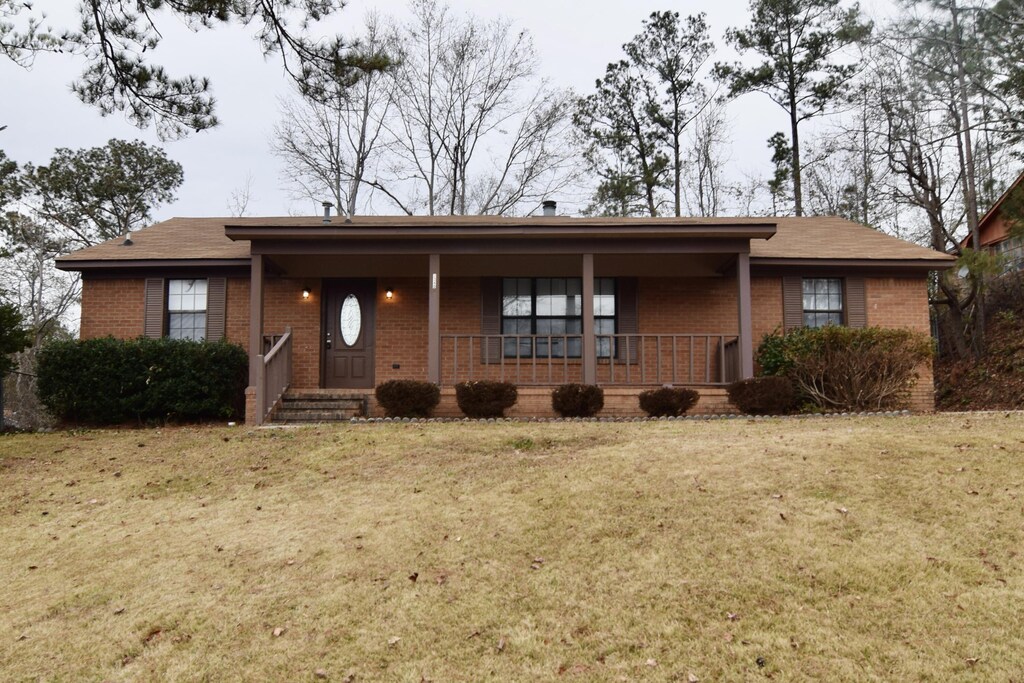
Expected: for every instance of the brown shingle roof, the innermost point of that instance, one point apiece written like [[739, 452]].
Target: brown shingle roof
[[828, 237], [177, 238], [795, 238]]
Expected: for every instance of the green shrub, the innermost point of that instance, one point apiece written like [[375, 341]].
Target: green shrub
[[668, 401], [408, 398], [843, 368], [771, 356], [770, 395], [112, 381], [577, 400], [485, 398]]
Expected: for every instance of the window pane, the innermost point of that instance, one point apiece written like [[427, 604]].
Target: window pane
[[516, 299], [549, 300], [186, 295], [515, 326], [575, 347], [187, 326]]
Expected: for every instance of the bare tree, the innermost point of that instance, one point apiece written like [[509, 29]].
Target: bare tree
[[475, 131], [705, 160], [327, 145], [238, 201]]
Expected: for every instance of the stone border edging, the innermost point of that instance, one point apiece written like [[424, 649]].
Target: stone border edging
[[540, 420]]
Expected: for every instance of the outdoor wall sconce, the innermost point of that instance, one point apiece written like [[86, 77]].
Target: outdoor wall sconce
[[389, 294], [305, 293]]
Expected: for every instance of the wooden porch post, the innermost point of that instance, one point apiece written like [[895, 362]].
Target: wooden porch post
[[255, 318], [746, 342], [434, 321], [589, 340]]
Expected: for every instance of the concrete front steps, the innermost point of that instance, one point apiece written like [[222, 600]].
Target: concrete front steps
[[319, 406]]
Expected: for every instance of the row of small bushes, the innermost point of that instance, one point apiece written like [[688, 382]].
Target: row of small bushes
[[486, 399], [810, 369], [115, 381]]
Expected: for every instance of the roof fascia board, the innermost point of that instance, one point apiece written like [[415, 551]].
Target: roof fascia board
[[125, 264], [485, 246], [585, 232]]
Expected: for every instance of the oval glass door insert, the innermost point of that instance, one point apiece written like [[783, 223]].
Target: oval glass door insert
[[351, 318]]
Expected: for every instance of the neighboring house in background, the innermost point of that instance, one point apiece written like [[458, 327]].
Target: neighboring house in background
[[994, 231], [333, 307]]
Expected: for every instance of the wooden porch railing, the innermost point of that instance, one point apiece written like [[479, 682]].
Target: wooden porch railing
[[622, 359], [273, 375]]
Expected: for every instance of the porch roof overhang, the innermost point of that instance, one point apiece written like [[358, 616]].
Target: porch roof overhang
[[554, 236]]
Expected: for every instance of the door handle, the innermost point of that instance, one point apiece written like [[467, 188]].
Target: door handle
[[327, 344]]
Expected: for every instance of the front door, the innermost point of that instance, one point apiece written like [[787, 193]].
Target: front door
[[348, 339]]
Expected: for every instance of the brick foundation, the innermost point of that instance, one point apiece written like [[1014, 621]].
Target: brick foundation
[[618, 402]]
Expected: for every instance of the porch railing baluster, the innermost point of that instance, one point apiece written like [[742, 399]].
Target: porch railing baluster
[[707, 359], [721, 358], [675, 378], [658, 350]]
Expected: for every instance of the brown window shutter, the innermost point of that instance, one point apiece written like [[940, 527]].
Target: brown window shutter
[[628, 316], [216, 303], [490, 318], [792, 303], [856, 302], [153, 323]]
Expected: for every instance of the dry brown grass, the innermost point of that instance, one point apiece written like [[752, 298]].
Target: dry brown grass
[[850, 549]]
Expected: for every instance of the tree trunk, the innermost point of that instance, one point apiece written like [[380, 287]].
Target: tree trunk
[[970, 187], [798, 195]]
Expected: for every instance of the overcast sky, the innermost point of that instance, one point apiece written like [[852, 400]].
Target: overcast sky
[[575, 40]]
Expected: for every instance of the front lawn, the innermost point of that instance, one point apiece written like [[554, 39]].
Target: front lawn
[[841, 549]]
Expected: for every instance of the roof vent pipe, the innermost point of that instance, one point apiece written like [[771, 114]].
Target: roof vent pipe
[[327, 212], [127, 239], [549, 207]]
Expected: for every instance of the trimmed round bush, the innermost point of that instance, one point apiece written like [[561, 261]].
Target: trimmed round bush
[[485, 398], [408, 398], [668, 401], [772, 395], [577, 400]]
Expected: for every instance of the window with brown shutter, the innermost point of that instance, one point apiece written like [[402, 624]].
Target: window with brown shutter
[[817, 301], [193, 308]]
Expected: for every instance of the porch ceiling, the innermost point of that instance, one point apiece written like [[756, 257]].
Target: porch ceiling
[[543, 265]]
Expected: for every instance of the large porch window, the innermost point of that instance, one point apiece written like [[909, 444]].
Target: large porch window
[[548, 312]]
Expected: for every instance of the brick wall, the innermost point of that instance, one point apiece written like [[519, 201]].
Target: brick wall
[[283, 306], [667, 306], [113, 307], [903, 302], [236, 318]]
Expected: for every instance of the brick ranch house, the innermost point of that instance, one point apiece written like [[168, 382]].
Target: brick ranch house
[[328, 308]]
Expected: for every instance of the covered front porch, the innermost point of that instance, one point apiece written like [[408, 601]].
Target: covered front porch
[[353, 308]]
